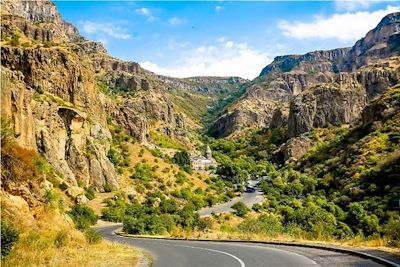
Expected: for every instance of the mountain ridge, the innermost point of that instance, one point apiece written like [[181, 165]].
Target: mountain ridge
[[290, 75]]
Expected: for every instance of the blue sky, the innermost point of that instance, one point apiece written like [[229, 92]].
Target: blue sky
[[221, 38]]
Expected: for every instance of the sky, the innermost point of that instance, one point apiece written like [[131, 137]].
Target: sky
[[221, 38]]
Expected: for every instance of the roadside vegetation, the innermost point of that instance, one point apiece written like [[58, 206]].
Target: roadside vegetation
[[345, 188], [38, 225]]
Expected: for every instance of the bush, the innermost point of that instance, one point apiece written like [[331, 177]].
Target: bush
[[92, 236], [61, 239], [53, 200], [90, 194], [147, 224], [240, 209], [205, 223], [143, 171], [113, 214], [392, 232], [181, 177], [63, 186], [188, 168], [83, 216], [182, 158], [265, 224], [9, 236], [15, 39], [108, 188]]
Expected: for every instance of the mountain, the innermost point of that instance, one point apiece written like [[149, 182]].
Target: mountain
[[371, 65], [79, 125], [61, 92]]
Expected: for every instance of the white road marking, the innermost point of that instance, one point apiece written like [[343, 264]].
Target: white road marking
[[209, 249]]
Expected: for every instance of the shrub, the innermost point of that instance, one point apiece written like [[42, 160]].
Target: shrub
[[265, 224], [146, 224], [188, 168], [392, 232], [9, 236], [141, 152], [15, 39], [143, 171], [107, 188], [53, 200], [240, 209], [83, 216], [92, 236], [205, 223], [113, 214], [109, 120], [156, 153], [257, 207], [63, 186], [61, 239], [180, 177], [182, 158], [90, 194]]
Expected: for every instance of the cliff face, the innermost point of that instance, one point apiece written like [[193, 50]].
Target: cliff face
[[38, 20], [380, 42], [58, 89], [51, 96], [323, 105], [371, 65]]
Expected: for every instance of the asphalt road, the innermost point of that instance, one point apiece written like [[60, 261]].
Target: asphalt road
[[249, 199], [179, 253]]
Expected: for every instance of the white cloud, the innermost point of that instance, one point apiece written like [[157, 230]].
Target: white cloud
[[218, 9], [143, 11], [352, 5], [221, 39], [222, 59], [176, 21], [344, 27], [151, 19], [173, 44], [104, 30]]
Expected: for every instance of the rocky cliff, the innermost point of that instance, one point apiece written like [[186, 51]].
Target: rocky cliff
[[323, 105], [372, 64], [60, 92], [51, 96]]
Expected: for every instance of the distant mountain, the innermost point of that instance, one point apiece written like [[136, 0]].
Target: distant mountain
[[372, 65]]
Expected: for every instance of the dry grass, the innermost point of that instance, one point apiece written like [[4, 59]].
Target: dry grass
[[49, 239], [196, 179]]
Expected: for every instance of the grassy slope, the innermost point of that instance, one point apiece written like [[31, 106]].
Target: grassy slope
[[49, 239], [363, 162], [47, 236]]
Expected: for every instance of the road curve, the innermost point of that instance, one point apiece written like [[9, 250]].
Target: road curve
[[183, 253], [249, 199]]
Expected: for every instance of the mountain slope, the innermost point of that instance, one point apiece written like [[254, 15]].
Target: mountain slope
[[372, 63]]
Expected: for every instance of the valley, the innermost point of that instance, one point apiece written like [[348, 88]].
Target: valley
[[86, 136]]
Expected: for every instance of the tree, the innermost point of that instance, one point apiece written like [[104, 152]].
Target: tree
[[240, 209], [9, 236], [229, 172], [182, 158]]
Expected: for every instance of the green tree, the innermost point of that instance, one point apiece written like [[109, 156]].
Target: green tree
[[240, 209], [9, 236], [182, 158]]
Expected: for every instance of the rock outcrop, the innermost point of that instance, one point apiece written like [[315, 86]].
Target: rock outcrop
[[51, 96], [51, 78], [381, 42], [323, 105], [38, 20], [372, 64]]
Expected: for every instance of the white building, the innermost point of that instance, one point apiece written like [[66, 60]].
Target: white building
[[204, 162]]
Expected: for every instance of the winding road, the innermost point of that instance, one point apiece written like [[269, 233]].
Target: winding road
[[184, 253], [249, 199]]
